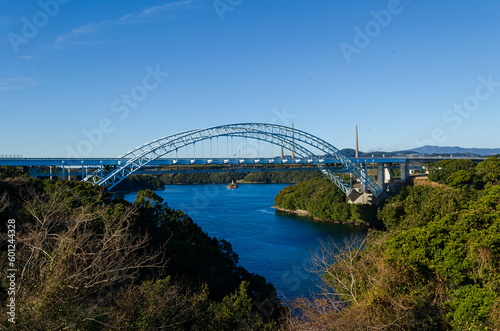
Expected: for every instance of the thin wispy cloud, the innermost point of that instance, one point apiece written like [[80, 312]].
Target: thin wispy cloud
[[16, 82], [28, 57], [147, 14]]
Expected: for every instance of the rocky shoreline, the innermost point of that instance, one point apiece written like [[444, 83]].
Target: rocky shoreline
[[295, 211], [301, 212]]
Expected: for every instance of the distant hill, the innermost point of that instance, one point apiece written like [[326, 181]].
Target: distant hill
[[428, 150], [456, 150], [351, 153]]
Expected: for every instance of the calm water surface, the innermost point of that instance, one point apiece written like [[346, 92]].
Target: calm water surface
[[270, 243]]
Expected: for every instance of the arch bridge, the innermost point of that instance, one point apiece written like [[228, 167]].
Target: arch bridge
[[300, 143]]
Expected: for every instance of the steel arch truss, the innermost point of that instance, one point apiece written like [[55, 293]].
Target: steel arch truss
[[291, 139]]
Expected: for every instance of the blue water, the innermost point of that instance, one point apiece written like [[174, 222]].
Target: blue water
[[270, 243]]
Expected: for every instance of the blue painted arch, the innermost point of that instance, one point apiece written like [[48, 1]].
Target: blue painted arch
[[303, 144]]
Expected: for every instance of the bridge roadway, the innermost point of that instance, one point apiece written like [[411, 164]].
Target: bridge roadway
[[194, 171], [97, 162]]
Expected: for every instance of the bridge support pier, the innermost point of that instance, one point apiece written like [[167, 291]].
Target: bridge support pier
[[381, 176], [405, 170], [365, 189], [388, 175], [34, 172]]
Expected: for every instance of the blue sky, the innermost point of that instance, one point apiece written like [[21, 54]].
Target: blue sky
[[106, 76]]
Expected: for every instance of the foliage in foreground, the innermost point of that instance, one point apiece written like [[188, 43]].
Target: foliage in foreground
[[90, 261], [466, 173], [437, 267]]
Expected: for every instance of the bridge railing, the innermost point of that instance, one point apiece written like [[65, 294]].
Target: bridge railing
[[11, 156]]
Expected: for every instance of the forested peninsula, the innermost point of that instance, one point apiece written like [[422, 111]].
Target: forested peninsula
[[324, 201]]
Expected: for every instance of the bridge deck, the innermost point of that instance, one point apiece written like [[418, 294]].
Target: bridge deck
[[36, 162]]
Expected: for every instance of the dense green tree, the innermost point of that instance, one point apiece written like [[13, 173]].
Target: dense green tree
[[10, 172], [419, 205], [489, 170], [281, 176], [460, 178], [461, 250], [440, 171]]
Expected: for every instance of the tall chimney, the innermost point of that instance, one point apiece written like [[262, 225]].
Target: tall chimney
[[357, 147]]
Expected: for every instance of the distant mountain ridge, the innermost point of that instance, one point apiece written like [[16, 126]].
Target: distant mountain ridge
[[429, 150]]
